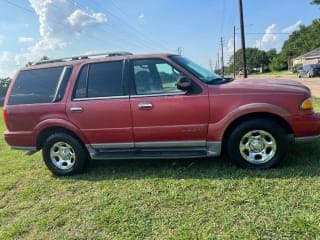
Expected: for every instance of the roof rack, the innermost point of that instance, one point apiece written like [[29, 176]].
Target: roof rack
[[65, 59]]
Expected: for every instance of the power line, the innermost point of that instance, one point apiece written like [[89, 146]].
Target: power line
[[143, 38], [146, 34], [63, 26], [257, 33], [122, 38]]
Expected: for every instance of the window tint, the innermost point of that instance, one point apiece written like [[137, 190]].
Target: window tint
[[100, 80], [81, 86], [105, 79], [39, 86], [154, 76]]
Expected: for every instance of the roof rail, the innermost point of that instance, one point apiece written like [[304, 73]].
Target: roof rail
[[65, 59]]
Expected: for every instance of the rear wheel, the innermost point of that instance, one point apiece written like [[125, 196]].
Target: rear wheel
[[258, 143], [64, 155]]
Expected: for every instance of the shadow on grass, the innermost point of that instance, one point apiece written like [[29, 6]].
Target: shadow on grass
[[302, 161]]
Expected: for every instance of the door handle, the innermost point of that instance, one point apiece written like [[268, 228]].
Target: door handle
[[145, 106], [76, 109]]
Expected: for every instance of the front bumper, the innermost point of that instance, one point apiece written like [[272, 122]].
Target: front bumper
[[306, 128]]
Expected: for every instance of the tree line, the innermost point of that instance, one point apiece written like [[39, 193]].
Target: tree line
[[301, 41]]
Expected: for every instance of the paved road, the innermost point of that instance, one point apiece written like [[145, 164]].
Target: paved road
[[312, 83]]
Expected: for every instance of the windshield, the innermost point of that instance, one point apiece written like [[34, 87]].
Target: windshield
[[197, 70]]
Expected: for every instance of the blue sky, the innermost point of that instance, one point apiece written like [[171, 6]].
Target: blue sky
[[58, 28]]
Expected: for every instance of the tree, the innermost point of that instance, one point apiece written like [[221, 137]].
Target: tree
[[301, 41], [271, 54], [277, 64], [4, 84], [255, 58], [315, 2], [44, 58]]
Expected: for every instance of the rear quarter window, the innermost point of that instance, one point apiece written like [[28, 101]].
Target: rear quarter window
[[43, 85]]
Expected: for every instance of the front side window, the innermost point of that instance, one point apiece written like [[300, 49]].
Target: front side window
[[155, 76], [44, 85], [100, 80]]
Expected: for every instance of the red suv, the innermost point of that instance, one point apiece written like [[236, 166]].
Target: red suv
[[124, 106]]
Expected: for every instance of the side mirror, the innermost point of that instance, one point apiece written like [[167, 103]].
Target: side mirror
[[183, 83]]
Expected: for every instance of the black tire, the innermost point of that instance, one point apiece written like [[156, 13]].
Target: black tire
[[72, 157], [250, 137]]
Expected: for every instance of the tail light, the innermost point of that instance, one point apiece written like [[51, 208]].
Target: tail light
[[5, 117]]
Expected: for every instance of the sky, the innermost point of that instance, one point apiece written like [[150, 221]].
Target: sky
[[30, 29]]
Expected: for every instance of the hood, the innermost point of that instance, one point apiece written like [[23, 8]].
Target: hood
[[265, 85]]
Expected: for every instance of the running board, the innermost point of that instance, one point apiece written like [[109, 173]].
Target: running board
[[145, 151], [102, 154]]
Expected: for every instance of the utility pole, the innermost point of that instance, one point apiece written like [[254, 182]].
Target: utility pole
[[222, 61], [218, 59], [243, 42], [234, 52], [211, 65]]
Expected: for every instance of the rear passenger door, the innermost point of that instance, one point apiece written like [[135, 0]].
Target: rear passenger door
[[100, 106]]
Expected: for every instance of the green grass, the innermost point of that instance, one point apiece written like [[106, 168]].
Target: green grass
[[278, 74], [161, 199]]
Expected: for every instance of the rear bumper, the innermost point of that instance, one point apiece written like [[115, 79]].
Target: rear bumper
[[20, 140]]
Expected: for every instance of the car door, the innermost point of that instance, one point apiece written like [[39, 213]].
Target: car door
[[100, 106], [164, 116]]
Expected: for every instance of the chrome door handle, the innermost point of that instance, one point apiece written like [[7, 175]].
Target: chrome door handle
[[76, 109], [145, 106]]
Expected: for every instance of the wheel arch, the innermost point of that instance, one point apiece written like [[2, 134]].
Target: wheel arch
[[256, 115], [45, 133]]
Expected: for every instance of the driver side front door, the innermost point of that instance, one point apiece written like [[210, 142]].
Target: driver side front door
[[164, 116]]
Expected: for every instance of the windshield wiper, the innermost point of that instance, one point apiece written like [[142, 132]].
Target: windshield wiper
[[220, 80]]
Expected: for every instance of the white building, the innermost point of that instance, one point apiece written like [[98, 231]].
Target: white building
[[312, 57]]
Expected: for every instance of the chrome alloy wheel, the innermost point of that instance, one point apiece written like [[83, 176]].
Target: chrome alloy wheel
[[62, 155], [258, 146]]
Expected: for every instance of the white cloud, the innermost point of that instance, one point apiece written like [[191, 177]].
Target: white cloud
[[60, 21], [268, 38], [83, 19], [4, 57], [7, 67], [141, 16], [25, 39], [229, 48], [292, 28]]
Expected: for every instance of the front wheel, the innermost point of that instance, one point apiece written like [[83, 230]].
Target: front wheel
[[64, 155], [258, 144]]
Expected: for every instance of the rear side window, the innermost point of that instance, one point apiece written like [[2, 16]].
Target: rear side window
[[43, 85], [100, 80]]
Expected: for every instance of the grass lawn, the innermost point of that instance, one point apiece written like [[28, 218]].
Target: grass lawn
[[185, 199], [277, 74]]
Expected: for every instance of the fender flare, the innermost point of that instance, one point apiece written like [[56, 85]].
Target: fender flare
[[217, 130], [59, 122]]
